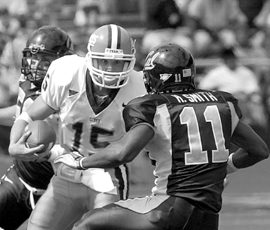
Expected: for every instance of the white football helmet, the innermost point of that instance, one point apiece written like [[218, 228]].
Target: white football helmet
[[110, 42]]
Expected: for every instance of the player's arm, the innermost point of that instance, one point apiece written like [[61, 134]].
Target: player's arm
[[252, 148], [117, 153], [38, 110], [7, 115]]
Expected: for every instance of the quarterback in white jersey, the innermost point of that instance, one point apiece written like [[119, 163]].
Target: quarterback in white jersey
[[89, 94], [86, 126]]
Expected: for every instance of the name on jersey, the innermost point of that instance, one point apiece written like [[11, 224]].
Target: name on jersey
[[195, 97], [94, 120]]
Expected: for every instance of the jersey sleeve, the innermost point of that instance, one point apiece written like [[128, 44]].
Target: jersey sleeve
[[231, 99], [21, 95], [236, 113], [138, 111]]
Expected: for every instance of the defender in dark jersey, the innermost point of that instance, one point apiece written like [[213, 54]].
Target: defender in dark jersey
[[187, 133], [25, 181]]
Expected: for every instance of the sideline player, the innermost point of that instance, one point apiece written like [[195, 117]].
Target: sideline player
[[89, 94], [187, 133], [24, 182]]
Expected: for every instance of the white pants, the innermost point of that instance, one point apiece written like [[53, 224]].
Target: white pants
[[64, 203]]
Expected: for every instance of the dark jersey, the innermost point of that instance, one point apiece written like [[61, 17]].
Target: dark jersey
[[191, 144], [36, 174]]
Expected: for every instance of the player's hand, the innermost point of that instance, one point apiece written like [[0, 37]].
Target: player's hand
[[19, 150], [73, 160]]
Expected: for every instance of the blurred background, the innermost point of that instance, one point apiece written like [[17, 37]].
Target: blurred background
[[230, 41]]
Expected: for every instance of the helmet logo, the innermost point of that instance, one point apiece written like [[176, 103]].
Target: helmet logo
[[165, 76], [35, 48], [92, 40], [149, 62]]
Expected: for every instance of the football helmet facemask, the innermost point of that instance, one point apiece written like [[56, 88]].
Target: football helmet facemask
[[44, 45], [169, 67], [110, 43]]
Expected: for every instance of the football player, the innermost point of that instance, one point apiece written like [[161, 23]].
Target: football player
[[89, 94], [24, 182], [187, 133]]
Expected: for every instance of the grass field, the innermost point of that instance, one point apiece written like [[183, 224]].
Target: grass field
[[246, 200]]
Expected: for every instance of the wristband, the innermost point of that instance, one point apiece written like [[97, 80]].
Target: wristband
[[80, 163], [25, 117], [230, 166]]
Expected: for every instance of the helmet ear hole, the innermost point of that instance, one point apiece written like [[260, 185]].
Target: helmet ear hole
[[169, 67]]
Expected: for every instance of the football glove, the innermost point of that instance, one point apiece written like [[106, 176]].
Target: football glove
[[73, 160]]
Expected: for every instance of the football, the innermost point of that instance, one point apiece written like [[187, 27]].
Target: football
[[41, 133]]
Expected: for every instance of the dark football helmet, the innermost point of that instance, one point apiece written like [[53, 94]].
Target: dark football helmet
[[169, 67], [44, 45]]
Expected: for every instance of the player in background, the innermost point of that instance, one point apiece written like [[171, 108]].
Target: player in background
[[187, 132], [25, 181], [89, 94]]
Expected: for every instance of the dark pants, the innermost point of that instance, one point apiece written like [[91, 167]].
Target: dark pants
[[15, 206]]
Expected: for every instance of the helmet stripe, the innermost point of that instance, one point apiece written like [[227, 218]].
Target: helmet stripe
[[115, 37], [109, 36], [118, 38]]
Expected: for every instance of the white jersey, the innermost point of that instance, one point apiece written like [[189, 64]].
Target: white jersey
[[84, 126]]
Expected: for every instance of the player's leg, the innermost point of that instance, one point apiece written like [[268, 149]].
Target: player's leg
[[14, 201], [113, 217], [98, 200], [202, 220], [56, 209], [65, 203], [173, 213]]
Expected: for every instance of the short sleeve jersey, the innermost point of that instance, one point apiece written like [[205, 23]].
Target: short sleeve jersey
[[191, 143], [85, 126]]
